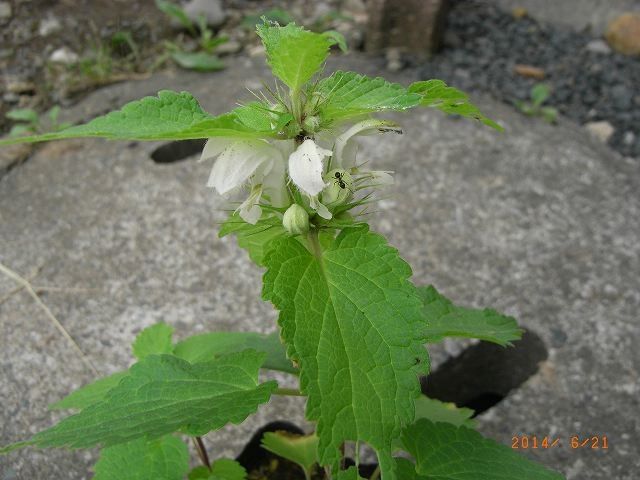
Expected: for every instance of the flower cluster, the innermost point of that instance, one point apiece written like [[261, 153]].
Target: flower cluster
[[316, 175]]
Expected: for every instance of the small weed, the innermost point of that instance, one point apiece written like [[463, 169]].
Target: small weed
[[197, 54], [30, 122], [535, 107]]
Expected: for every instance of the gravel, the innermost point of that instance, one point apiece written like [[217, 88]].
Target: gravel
[[588, 82]]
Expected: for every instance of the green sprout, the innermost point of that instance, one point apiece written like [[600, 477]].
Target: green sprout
[[535, 107]]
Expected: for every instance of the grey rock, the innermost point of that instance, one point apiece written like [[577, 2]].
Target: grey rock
[[540, 222], [212, 10]]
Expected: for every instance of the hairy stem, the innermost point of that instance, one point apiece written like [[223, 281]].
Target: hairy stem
[[291, 392], [202, 451]]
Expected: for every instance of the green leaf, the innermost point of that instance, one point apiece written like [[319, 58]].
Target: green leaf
[[444, 319], [351, 474], [352, 321], [198, 61], [437, 411], [539, 94], [255, 239], [337, 38], [294, 54], [176, 12], [436, 93], [206, 346], [89, 394], [406, 470], [163, 394], [221, 469], [165, 458], [300, 449], [155, 339], [445, 452], [23, 115], [20, 129], [170, 115], [345, 95]]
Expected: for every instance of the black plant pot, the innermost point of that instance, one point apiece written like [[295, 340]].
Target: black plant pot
[[264, 465]]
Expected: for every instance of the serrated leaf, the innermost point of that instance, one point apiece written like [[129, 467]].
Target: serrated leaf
[[165, 458], [206, 346], [300, 449], [346, 95], [444, 319], [170, 115], [437, 411], [198, 61], [352, 321], [445, 452], [294, 54], [89, 394], [221, 469], [437, 94], [163, 394], [255, 239], [155, 339]]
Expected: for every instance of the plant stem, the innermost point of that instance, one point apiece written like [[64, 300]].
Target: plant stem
[[292, 392], [202, 452], [376, 473]]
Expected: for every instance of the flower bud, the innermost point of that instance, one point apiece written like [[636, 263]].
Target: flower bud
[[310, 124], [296, 220], [339, 189]]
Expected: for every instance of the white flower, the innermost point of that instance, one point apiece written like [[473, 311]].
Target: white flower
[[346, 147], [306, 167], [242, 161]]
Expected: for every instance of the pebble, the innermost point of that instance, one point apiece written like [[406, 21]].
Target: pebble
[[623, 34], [602, 130], [5, 11], [629, 138], [65, 56], [49, 26], [394, 60], [598, 46], [20, 86], [212, 10], [529, 71], [229, 47]]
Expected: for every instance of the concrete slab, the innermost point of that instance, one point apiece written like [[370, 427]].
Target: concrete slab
[[540, 222]]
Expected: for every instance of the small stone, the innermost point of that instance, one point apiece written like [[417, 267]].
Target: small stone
[[598, 46], [629, 138], [394, 60], [20, 86], [5, 11], [49, 26], [621, 97], [256, 51], [623, 34], [529, 71], [602, 130], [519, 12], [211, 9], [65, 56], [229, 48]]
